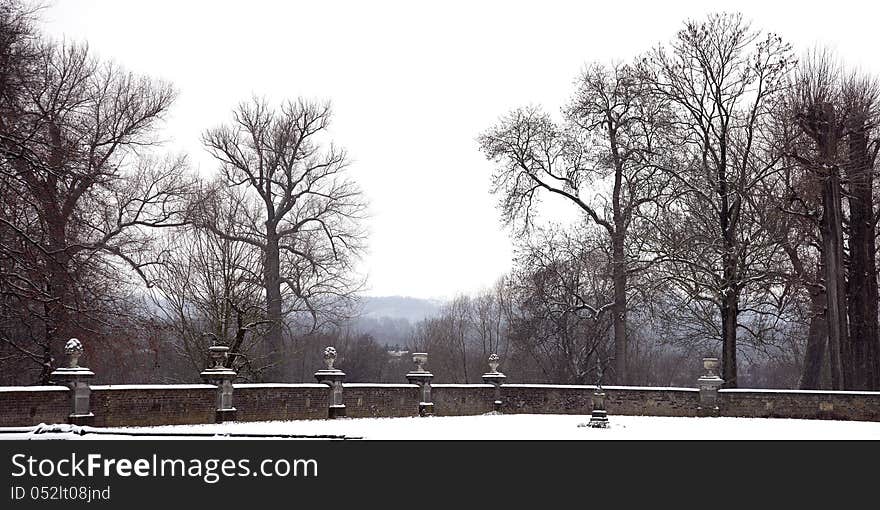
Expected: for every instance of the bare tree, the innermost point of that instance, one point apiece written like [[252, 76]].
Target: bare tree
[[862, 96], [73, 139], [613, 131], [207, 288], [562, 290], [298, 208], [792, 218], [490, 320], [724, 80], [837, 115]]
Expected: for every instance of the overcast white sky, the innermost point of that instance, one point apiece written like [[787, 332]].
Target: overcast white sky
[[412, 84]]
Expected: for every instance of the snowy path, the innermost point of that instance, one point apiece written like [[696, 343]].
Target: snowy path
[[532, 427]]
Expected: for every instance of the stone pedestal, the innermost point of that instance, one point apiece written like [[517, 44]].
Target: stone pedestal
[[709, 384], [333, 378], [496, 379], [221, 376], [598, 416], [77, 379], [422, 378]]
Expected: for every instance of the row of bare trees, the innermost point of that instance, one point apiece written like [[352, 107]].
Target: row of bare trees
[[105, 236], [724, 194], [726, 185], [81, 192]]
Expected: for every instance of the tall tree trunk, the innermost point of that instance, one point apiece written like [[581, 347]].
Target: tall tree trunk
[[272, 283], [728, 220], [618, 269], [862, 269], [729, 318], [832, 254], [57, 327], [817, 338], [56, 258], [730, 293], [618, 260]]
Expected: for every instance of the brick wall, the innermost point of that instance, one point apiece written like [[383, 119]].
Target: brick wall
[[462, 399], [540, 399], [621, 400], [380, 400], [139, 405], [838, 405], [651, 401], [142, 405], [32, 405], [265, 402]]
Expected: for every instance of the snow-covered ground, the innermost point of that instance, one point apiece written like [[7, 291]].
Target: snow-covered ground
[[490, 427]]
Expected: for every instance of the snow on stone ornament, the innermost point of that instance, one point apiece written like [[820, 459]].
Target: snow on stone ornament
[[74, 349], [710, 365], [494, 361], [218, 354], [420, 358], [329, 357]]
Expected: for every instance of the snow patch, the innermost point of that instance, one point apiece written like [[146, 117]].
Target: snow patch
[[509, 427], [592, 387], [279, 385], [463, 386], [379, 385], [154, 387], [807, 392], [33, 388]]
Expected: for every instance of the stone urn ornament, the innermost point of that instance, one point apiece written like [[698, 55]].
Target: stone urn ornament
[[711, 366], [333, 378], [422, 378], [221, 376], [73, 349], [496, 379], [77, 379], [218, 354], [330, 357], [494, 361], [709, 384], [420, 358]]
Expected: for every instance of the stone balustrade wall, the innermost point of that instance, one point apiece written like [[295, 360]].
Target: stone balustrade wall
[[142, 405]]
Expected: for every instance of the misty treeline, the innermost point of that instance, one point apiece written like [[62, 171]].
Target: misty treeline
[[723, 189]]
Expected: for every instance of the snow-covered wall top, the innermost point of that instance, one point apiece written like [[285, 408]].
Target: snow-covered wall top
[[151, 404], [155, 387], [804, 392]]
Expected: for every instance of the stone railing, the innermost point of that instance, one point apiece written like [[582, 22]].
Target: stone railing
[[75, 401]]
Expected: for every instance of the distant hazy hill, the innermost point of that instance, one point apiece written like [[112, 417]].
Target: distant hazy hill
[[399, 307]]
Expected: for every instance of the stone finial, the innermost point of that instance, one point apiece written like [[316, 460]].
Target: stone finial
[[332, 377], [76, 377], [709, 384], [494, 361], [74, 349], [220, 375], [218, 354], [496, 379], [710, 365], [420, 358], [330, 357], [423, 378]]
